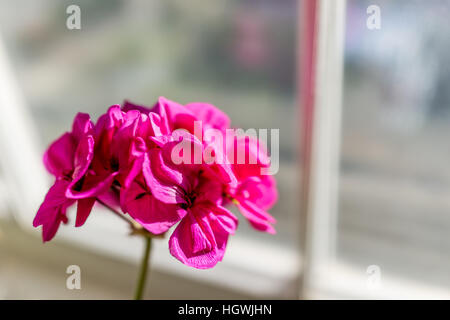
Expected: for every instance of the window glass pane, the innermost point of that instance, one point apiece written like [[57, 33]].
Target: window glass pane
[[394, 196]]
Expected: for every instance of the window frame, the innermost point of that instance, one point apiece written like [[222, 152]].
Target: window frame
[[321, 73]]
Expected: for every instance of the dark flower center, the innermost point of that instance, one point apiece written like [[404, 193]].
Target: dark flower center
[[190, 199], [79, 184], [114, 164]]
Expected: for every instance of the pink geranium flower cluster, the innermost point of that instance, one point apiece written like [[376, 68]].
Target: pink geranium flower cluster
[[126, 160]]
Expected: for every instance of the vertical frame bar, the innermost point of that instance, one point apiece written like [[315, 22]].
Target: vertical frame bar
[[306, 73], [321, 87]]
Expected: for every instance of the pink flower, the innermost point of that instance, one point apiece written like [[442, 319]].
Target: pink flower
[[255, 193], [68, 159], [156, 166], [200, 238]]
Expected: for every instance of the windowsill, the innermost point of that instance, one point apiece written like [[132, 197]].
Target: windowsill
[[343, 281], [249, 267]]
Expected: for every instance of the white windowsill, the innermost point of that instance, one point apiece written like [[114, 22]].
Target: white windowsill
[[343, 281], [248, 266]]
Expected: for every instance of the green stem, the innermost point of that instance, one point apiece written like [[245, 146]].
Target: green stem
[[143, 272]]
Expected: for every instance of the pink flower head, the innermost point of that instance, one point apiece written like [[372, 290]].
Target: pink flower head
[[154, 165]]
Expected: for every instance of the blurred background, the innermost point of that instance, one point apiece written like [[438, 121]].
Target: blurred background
[[394, 197], [242, 56]]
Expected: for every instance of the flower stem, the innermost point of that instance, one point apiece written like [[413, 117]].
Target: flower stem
[[137, 230], [144, 268]]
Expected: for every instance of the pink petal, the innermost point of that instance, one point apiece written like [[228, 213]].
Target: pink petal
[[123, 137], [92, 186], [200, 239], [107, 123], [84, 207], [178, 116], [161, 111], [133, 172], [221, 172], [49, 230], [128, 105], [261, 191], [81, 126], [210, 116], [154, 215], [248, 156], [257, 217], [82, 159], [110, 198], [58, 159], [159, 125], [53, 210], [222, 219], [183, 151], [186, 243], [208, 190], [162, 180]]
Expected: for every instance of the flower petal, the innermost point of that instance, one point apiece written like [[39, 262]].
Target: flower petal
[[81, 126], [261, 191], [201, 237], [185, 244], [177, 115], [210, 115], [82, 159], [58, 159], [163, 181], [222, 219], [53, 210], [154, 215], [92, 185], [248, 156], [84, 207], [128, 105], [257, 217]]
